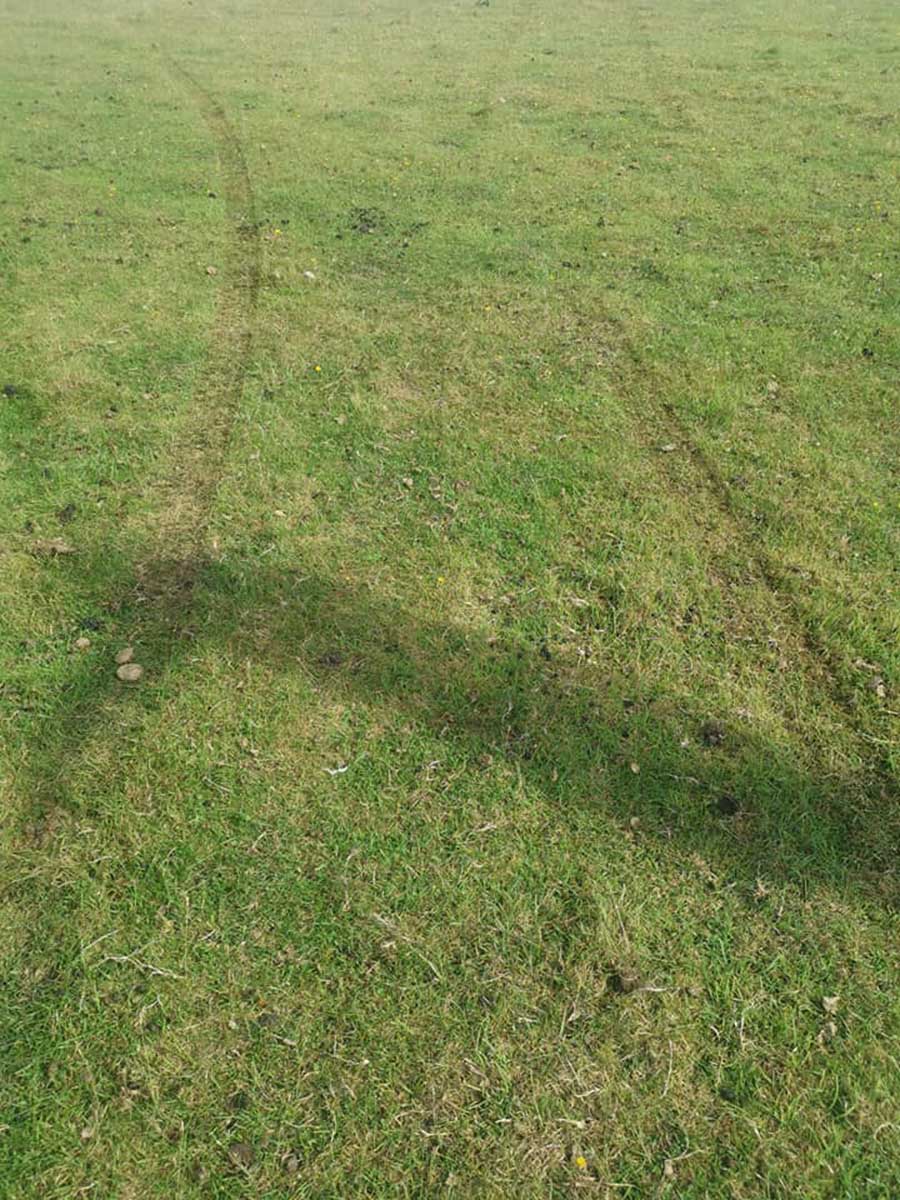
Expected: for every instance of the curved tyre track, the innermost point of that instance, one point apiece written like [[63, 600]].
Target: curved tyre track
[[152, 606], [199, 463]]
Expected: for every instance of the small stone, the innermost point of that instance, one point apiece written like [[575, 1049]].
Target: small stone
[[82, 643], [212, 270], [309, 275], [130, 672], [125, 655]]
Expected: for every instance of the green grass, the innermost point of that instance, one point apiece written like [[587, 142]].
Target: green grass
[[508, 529]]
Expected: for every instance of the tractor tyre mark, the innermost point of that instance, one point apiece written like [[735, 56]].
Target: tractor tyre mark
[[153, 606], [199, 462], [820, 664]]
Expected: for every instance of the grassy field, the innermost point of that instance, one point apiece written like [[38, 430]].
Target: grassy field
[[481, 421]]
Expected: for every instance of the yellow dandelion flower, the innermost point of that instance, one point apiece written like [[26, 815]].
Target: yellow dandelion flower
[[581, 1162]]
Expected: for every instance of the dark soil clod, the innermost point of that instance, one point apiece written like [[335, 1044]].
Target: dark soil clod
[[621, 981], [367, 220], [713, 733], [242, 1154]]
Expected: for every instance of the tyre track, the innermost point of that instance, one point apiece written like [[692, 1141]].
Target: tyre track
[[822, 667], [200, 462], [153, 605], [817, 660]]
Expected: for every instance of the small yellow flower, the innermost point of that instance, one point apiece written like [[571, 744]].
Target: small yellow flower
[[276, 233], [581, 1162], [318, 368], [441, 579]]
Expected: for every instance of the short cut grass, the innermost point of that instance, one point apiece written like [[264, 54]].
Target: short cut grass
[[481, 422]]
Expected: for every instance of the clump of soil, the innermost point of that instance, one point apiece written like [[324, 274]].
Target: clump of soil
[[368, 220]]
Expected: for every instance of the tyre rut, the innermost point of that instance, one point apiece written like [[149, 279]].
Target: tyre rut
[[154, 605]]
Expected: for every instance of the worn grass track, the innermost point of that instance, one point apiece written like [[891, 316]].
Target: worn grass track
[[824, 666], [153, 602], [198, 467]]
